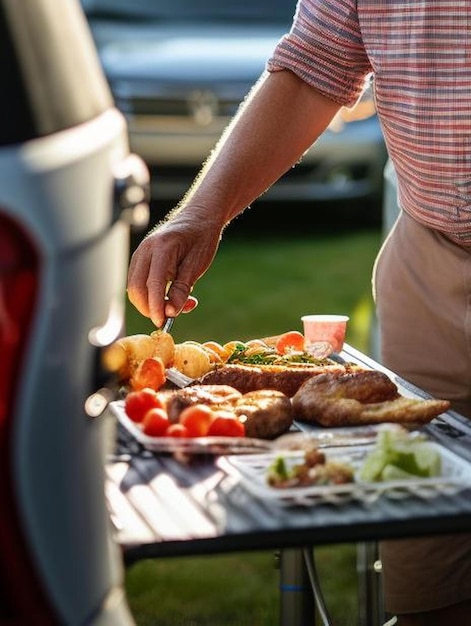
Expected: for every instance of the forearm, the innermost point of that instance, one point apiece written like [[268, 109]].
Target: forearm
[[279, 121], [282, 117]]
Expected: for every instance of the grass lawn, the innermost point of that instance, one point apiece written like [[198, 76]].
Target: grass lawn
[[259, 287]]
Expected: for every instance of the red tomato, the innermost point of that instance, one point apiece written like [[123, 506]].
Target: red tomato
[[176, 430], [292, 341], [196, 419], [155, 422], [224, 426], [149, 373], [137, 403]]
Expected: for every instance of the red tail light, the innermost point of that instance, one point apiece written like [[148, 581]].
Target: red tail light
[[21, 599]]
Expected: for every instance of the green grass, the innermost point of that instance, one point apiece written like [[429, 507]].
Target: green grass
[[233, 590], [259, 288]]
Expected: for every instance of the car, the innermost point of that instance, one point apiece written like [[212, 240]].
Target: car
[[70, 191], [179, 70]]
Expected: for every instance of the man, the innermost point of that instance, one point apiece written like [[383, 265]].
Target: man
[[420, 56]]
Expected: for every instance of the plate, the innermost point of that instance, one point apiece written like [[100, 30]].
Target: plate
[[295, 439], [251, 471], [303, 436], [187, 445]]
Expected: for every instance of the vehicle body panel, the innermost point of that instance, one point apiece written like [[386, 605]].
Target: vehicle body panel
[[61, 166]]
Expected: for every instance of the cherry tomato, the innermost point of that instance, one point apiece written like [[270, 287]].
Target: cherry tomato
[[137, 403], [196, 419], [292, 341], [149, 373], [224, 426], [155, 422], [176, 430]]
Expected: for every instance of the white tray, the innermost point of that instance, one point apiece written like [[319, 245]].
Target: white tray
[[190, 445], [251, 471], [322, 437]]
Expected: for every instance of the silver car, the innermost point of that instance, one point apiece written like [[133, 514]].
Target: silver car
[[69, 188], [178, 71]]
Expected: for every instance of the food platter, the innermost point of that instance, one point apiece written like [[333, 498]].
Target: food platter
[[294, 439], [251, 471], [187, 445]]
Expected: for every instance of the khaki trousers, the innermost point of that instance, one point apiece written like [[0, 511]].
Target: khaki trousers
[[422, 289]]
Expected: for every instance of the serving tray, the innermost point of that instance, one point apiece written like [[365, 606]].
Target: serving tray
[[188, 445], [295, 439], [251, 470]]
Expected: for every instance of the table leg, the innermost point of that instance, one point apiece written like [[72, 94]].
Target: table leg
[[370, 593], [297, 606]]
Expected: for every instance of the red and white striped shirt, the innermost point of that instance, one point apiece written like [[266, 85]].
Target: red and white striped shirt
[[419, 52]]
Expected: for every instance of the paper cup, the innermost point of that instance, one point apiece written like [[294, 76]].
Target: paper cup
[[325, 329]]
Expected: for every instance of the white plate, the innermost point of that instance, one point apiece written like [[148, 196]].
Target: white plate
[[252, 469], [184, 445], [322, 437]]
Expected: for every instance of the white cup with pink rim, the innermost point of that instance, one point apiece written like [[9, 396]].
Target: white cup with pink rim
[[324, 333]]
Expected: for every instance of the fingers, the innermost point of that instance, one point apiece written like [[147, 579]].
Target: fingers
[[178, 298], [150, 304], [180, 285], [163, 270], [146, 289], [137, 291]]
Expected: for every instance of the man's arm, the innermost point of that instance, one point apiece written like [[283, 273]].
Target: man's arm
[[280, 119]]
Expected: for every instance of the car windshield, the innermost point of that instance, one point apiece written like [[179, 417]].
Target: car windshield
[[264, 10]]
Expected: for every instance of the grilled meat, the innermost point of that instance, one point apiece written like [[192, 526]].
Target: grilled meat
[[266, 413], [216, 396], [284, 378], [364, 386], [362, 397]]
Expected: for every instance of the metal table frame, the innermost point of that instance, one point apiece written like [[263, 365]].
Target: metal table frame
[[161, 507]]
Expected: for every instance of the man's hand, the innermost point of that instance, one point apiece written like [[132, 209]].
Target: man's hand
[[167, 264]]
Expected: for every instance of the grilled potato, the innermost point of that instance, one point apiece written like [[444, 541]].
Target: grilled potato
[[191, 359], [164, 347], [125, 354]]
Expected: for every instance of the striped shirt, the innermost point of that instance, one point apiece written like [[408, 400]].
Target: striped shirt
[[419, 52]]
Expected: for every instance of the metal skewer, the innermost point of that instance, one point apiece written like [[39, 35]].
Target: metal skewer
[[167, 325]]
